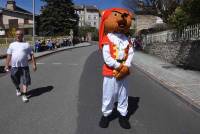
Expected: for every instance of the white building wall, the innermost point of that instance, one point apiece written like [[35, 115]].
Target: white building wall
[[88, 18], [92, 19]]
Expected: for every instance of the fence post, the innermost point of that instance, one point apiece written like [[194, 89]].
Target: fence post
[[6, 41]]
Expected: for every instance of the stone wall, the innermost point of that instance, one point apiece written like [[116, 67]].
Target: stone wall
[[185, 54]]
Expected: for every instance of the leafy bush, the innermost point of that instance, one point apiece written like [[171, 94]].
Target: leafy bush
[[179, 19], [84, 31]]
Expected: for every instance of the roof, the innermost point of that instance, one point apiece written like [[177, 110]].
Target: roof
[[91, 7], [88, 7], [78, 6], [17, 10]]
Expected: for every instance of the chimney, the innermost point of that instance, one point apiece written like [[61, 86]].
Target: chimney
[[11, 5]]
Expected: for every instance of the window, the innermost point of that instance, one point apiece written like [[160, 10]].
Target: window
[[89, 17], [13, 23], [26, 32], [26, 21], [95, 17], [95, 23]]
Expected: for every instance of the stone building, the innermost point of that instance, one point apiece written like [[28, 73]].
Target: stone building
[[13, 17], [143, 22], [88, 15]]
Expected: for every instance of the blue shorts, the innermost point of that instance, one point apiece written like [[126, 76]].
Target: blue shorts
[[20, 74]]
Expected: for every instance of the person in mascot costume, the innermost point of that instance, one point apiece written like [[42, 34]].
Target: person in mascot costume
[[117, 53]]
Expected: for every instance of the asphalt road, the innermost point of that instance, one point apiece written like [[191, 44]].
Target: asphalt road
[[65, 98]]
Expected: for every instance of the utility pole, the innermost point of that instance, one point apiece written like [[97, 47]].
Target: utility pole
[[33, 22]]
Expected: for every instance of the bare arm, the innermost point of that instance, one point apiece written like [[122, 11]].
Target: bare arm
[[8, 59], [33, 62]]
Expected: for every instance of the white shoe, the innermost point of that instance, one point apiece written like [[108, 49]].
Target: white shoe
[[24, 98], [18, 93]]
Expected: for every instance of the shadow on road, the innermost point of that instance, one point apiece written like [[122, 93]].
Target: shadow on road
[[2, 71], [39, 91], [132, 107]]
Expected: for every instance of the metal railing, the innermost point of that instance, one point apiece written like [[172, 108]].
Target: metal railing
[[20, 25], [188, 33]]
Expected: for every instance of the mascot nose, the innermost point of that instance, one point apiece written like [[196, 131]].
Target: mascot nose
[[124, 15]]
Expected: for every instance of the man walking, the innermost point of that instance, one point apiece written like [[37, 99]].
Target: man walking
[[17, 54]]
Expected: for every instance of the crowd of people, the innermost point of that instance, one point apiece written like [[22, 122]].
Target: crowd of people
[[51, 44], [137, 43]]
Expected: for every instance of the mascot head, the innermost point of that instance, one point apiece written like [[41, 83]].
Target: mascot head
[[114, 20]]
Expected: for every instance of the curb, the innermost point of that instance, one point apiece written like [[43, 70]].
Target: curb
[[55, 51], [68, 48], [63, 49], [171, 89]]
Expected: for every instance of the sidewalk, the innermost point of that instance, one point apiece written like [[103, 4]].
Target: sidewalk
[[40, 54], [185, 84]]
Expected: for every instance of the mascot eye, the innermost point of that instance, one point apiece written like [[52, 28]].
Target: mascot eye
[[114, 13]]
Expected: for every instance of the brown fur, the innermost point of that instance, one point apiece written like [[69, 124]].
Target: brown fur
[[118, 18]]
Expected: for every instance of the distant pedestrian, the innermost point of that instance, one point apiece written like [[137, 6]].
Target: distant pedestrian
[[37, 46], [17, 55], [138, 44], [49, 44]]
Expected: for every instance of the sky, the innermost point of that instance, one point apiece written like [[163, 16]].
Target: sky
[[101, 4]]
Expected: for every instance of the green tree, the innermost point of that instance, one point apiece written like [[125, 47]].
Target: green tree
[[192, 8], [186, 14], [57, 18], [161, 8], [179, 19], [11, 32], [83, 31]]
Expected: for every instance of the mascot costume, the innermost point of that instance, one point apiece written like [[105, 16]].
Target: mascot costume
[[117, 53]]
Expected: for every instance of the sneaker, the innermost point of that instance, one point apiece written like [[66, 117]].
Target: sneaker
[[18, 93], [104, 122], [124, 123], [24, 98]]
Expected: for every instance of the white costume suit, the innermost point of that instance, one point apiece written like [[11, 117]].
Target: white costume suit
[[116, 90]]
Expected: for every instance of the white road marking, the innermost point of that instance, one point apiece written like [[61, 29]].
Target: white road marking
[[40, 63], [56, 63]]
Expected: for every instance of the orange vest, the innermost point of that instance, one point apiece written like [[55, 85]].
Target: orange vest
[[108, 71]]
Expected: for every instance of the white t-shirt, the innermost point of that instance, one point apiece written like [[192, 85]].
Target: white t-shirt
[[20, 52]]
